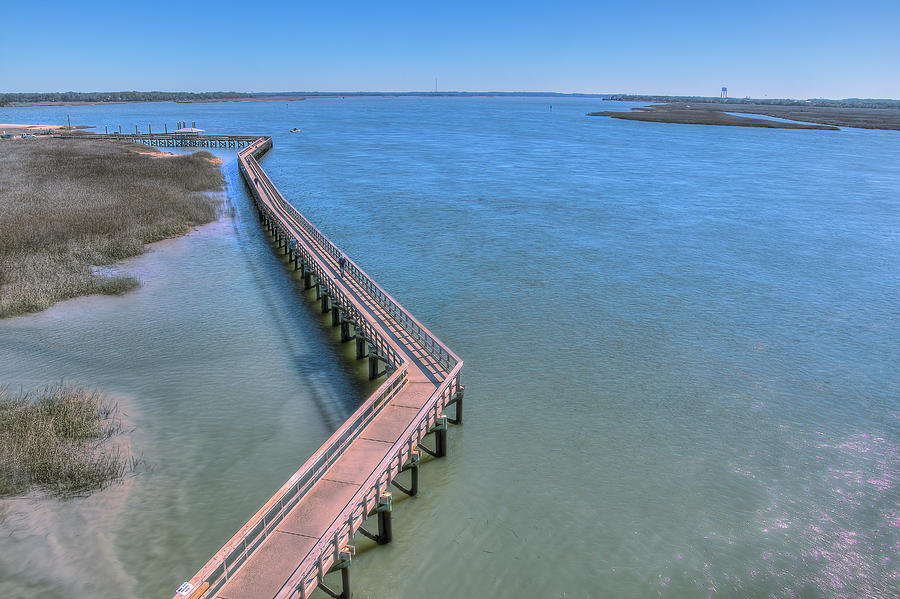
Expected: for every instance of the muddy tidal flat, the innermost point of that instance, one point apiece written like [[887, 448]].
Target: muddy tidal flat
[[812, 117]]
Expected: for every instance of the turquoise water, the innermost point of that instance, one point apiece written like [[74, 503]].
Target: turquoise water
[[680, 343]]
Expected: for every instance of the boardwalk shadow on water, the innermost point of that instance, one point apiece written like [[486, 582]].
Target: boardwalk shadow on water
[[311, 349]]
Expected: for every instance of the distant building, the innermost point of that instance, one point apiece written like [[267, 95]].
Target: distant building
[[189, 130]]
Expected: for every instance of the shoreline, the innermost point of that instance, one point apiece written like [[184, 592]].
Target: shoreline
[[13, 129]]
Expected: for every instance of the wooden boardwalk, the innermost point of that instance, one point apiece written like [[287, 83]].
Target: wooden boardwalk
[[307, 528]]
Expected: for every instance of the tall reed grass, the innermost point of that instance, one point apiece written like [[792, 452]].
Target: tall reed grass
[[59, 439], [69, 204]]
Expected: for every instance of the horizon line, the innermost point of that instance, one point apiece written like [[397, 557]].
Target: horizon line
[[443, 93]]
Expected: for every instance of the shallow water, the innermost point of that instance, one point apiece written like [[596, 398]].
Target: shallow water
[[680, 346], [765, 117]]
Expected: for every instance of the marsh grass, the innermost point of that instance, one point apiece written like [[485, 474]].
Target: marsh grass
[[59, 439], [69, 204]]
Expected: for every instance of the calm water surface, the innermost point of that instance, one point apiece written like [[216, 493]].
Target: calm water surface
[[681, 348]]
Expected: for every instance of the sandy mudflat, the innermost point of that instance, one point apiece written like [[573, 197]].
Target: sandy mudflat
[[148, 151], [153, 153], [20, 128]]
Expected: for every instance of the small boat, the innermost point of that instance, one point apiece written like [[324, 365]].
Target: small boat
[[295, 130]]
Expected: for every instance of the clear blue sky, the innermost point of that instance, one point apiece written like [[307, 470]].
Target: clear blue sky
[[764, 48]]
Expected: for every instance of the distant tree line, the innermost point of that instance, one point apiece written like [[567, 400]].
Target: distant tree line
[[846, 103], [135, 96], [132, 96]]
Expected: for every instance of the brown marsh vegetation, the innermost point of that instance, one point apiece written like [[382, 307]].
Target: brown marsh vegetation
[[58, 440], [826, 114], [69, 204]]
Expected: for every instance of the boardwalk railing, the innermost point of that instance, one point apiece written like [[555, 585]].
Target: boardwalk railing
[[438, 350], [256, 174], [246, 540], [171, 140]]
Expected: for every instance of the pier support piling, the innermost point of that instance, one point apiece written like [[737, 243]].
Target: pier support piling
[[344, 566], [413, 467], [440, 442], [385, 533], [440, 439], [383, 512], [345, 582], [459, 406]]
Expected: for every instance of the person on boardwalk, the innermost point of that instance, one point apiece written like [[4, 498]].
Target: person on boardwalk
[[342, 262]]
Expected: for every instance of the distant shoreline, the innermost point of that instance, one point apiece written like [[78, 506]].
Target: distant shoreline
[[199, 101], [17, 100], [813, 103]]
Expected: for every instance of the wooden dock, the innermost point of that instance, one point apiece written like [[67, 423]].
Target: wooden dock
[[306, 529]]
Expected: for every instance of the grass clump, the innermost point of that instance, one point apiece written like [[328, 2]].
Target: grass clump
[[58, 439], [69, 204]]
